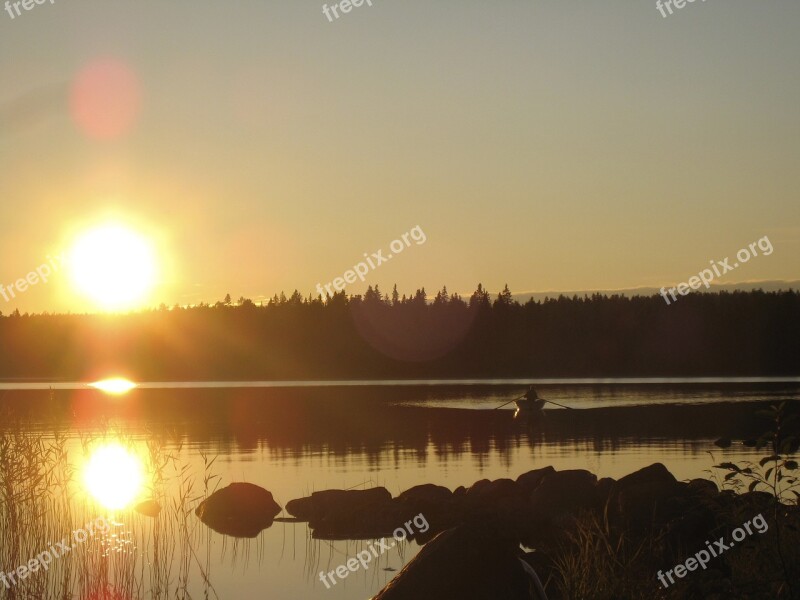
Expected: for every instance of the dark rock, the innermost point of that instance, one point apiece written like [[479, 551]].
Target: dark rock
[[378, 521], [688, 530], [701, 488], [239, 510], [495, 490], [350, 514], [148, 508], [563, 492], [546, 571], [556, 502], [301, 508], [321, 505], [480, 560], [655, 473], [603, 490], [425, 494], [528, 481], [502, 497], [641, 500], [476, 488], [440, 507], [753, 502]]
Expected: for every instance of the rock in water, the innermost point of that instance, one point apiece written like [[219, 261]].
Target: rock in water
[[148, 508], [239, 510], [349, 514], [425, 494], [321, 505], [478, 560]]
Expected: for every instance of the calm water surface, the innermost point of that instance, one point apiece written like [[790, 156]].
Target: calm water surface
[[294, 438]]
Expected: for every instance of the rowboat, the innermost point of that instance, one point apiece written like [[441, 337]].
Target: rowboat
[[528, 408]]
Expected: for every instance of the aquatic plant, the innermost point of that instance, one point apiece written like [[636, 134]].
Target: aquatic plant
[[776, 473], [42, 501]]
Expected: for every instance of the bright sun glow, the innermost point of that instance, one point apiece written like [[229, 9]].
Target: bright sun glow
[[113, 476], [116, 386], [113, 266]]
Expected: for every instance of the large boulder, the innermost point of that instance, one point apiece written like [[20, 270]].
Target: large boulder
[[682, 534], [322, 504], [528, 481], [425, 495], [702, 488], [440, 507], [301, 508], [349, 514], [478, 560], [502, 497], [645, 498], [486, 490], [603, 490], [239, 510], [476, 489], [563, 492], [688, 514], [549, 511]]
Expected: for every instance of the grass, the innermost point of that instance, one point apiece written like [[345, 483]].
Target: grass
[[595, 562]]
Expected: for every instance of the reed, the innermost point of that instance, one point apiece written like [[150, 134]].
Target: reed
[[42, 502], [597, 562]]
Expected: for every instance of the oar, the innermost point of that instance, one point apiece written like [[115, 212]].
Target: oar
[[509, 402], [550, 401], [557, 404]]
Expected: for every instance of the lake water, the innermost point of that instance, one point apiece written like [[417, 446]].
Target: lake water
[[296, 437]]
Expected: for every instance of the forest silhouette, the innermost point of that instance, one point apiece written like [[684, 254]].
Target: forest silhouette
[[386, 336]]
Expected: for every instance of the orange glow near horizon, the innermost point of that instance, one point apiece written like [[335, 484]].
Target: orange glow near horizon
[[115, 385]]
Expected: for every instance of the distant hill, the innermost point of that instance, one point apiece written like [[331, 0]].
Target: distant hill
[[767, 286]]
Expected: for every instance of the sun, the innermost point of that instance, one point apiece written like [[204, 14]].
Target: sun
[[113, 266]]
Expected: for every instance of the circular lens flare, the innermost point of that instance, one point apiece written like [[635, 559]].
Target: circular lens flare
[[105, 99], [113, 476]]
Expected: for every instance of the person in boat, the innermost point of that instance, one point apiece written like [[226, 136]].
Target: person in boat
[[530, 405], [531, 401]]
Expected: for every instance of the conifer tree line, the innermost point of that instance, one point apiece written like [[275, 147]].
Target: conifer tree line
[[379, 335]]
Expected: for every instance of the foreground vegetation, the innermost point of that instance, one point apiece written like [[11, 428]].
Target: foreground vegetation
[[601, 562], [43, 501]]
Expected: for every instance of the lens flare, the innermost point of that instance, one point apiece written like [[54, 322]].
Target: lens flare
[[105, 99]]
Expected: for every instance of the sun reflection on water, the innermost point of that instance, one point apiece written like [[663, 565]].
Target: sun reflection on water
[[113, 475], [116, 385]]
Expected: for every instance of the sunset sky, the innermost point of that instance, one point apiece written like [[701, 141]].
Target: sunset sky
[[258, 147]]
